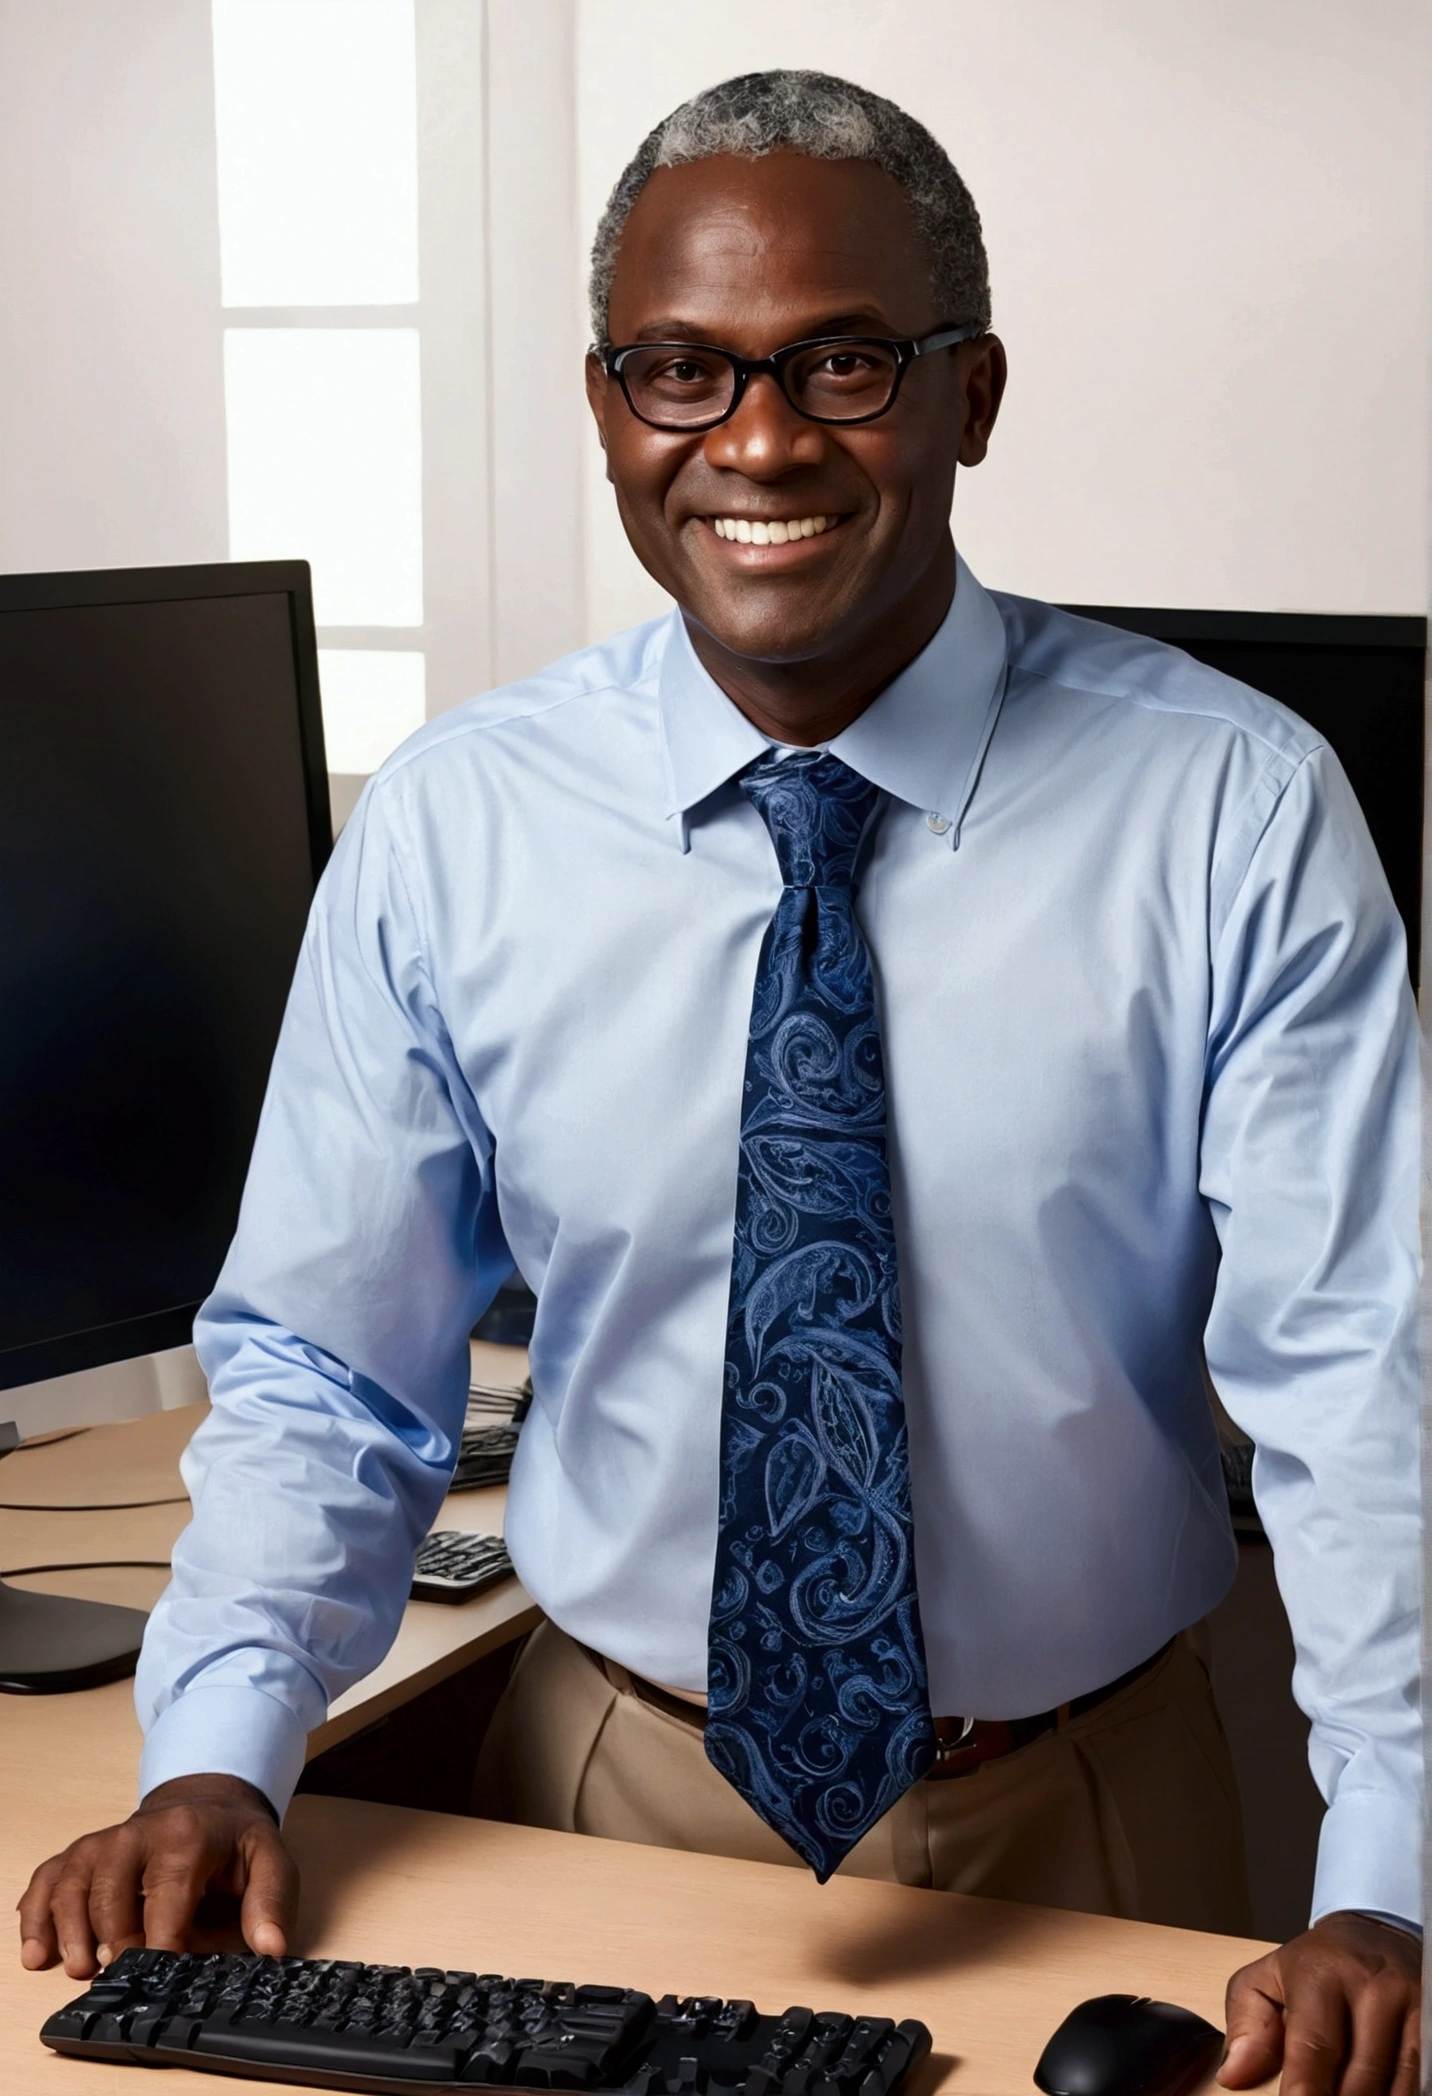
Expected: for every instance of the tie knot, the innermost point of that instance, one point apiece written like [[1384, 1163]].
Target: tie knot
[[816, 809]]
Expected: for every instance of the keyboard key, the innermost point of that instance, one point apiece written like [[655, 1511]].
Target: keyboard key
[[332, 2052]]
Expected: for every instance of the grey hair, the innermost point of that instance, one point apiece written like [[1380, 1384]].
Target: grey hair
[[827, 119]]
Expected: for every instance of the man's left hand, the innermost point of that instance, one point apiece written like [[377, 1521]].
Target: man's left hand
[[1338, 2008]]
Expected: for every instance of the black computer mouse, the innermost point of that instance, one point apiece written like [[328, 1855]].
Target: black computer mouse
[[1127, 2045]]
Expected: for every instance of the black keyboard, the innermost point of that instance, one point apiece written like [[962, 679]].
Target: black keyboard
[[337, 2025], [484, 1457], [453, 1565]]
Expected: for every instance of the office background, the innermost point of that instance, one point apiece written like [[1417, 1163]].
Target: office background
[[306, 277], [1209, 236]]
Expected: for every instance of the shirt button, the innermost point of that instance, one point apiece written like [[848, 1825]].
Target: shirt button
[[937, 822]]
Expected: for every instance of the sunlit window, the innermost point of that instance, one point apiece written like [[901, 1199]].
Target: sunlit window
[[316, 117], [316, 108], [325, 464], [373, 699]]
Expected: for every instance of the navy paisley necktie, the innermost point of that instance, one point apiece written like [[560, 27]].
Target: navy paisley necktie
[[819, 1703]]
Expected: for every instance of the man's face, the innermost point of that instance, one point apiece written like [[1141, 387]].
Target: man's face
[[751, 255]]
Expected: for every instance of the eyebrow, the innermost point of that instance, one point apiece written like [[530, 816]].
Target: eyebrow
[[670, 330]]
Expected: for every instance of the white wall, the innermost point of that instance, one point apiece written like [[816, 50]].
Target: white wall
[[538, 413], [1208, 232], [111, 363]]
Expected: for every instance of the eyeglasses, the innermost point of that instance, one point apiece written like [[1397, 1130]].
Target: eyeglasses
[[692, 386]]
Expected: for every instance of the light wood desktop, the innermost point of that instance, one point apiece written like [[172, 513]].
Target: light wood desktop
[[110, 1468], [402, 1887]]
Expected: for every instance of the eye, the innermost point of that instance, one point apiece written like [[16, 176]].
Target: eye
[[681, 371], [676, 370], [845, 363], [852, 374]]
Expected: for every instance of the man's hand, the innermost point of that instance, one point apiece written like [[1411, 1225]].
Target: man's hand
[[141, 1882], [1338, 2009]]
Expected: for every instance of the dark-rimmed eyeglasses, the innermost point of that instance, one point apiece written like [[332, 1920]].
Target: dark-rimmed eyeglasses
[[693, 386]]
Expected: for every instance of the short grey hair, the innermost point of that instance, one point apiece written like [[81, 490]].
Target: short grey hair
[[827, 119]]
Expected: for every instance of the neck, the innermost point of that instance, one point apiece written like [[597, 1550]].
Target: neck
[[809, 701]]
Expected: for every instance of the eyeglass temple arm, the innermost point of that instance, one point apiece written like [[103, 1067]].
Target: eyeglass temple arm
[[945, 339]]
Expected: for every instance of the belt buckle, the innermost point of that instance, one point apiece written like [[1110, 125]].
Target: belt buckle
[[948, 1750]]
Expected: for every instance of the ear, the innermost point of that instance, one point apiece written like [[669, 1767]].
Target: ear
[[597, 394], [985, 372]]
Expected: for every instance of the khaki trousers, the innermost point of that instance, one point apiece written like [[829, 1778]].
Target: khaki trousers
[[1130, 1810]]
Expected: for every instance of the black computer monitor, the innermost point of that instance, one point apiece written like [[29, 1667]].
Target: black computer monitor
[[1358, 681], [163, 821]]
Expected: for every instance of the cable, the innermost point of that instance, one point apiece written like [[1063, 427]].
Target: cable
[[106, 1506], [93, 1564], [45, 1440], [103, 1506], [482, 1397]]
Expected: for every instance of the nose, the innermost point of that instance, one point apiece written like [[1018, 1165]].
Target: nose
[[765, 437]]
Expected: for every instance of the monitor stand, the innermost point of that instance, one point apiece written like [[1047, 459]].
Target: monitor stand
[[52, 1642]]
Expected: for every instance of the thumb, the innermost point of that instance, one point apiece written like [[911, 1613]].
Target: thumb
[[270, 1899], [1254, 2051]]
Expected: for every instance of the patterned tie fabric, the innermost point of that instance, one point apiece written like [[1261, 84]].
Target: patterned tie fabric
[[819, 1704]]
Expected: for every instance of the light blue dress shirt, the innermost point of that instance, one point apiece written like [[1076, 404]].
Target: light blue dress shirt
[[1151, 1064]]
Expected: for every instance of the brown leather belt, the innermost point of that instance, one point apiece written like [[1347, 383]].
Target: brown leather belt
[[963, 1743]]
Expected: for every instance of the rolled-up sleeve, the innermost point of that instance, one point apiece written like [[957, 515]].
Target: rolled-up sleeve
[[335, 1342], [1310, 1167]]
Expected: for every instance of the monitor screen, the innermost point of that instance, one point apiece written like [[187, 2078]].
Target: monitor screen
[[163, 819], [1359, 681]]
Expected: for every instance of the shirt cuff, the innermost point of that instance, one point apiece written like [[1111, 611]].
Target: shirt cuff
[[226, 1731], [1369, 1858], [1393, 1921]]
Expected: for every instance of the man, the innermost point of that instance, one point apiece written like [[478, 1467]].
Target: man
[[1116, 1054]]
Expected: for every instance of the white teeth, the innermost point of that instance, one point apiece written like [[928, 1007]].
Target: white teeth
[[749, 531]]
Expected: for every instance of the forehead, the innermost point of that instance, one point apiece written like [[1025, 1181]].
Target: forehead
[[732, 247]]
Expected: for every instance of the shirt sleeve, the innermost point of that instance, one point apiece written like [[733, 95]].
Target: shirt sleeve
[[1310, 1168], [335, 1342]]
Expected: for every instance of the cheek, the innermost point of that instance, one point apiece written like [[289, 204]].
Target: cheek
[[900, 470], [916, 482], [643, 473]]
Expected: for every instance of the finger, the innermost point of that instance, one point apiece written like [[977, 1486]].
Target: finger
[[1407, 2076], [174, 1883], [1379, 2038], [270, 1895], [69, 1908], [114, 1909], [1254, 2016], [1316, 2036], [38, 1946]]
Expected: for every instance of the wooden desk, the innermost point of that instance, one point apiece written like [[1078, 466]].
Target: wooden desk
[[107, 1466], [402, 1887], [409, 1888]]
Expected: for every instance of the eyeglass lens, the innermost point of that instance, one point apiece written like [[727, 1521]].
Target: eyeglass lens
[[677, 386]]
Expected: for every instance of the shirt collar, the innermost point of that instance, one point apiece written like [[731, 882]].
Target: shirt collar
[[921, 741]]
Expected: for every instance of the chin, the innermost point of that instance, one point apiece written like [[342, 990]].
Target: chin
[[770, 630]]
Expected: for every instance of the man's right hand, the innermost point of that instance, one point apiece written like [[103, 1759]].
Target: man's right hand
[[140, 1883]]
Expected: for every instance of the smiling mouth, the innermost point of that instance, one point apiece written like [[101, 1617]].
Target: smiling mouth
[[771, 531]]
